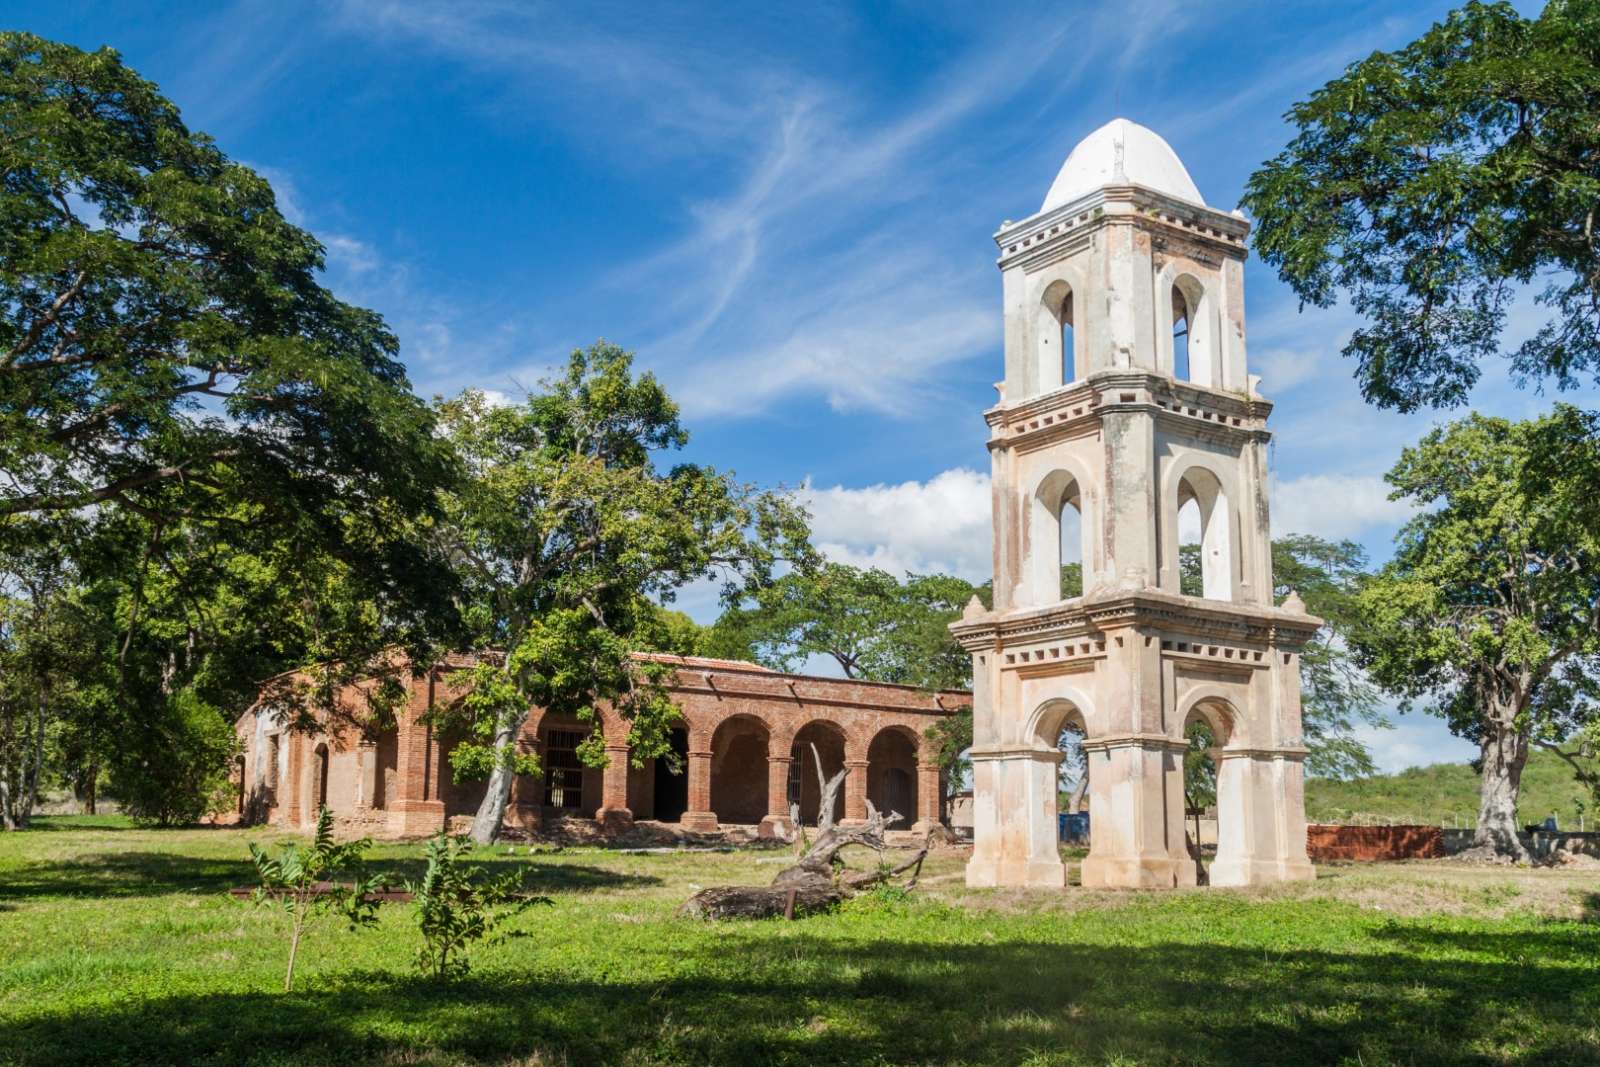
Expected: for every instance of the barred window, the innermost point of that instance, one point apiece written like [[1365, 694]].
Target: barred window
[[563, 771]]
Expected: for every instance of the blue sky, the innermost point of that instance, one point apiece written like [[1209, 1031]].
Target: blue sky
[[786, 211]]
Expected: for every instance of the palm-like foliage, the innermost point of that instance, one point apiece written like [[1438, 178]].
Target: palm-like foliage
[[301, 880], [457, 906]]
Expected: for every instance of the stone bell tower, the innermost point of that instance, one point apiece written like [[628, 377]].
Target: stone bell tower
[[1125, 399]]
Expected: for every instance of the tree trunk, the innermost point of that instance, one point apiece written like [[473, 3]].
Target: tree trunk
[[1505, 753], [1075, 804], [30, 790], [492, 812], [294, 950], [7, 791]]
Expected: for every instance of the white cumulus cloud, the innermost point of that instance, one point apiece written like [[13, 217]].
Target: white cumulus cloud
[[938, 525], [1334, 505]]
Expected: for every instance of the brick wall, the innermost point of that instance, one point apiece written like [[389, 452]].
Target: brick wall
[[1332, 842]]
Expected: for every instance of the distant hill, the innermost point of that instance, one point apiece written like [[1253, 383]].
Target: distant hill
[[1447, 794]]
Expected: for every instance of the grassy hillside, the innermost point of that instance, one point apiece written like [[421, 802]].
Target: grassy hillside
[[1447, 793]]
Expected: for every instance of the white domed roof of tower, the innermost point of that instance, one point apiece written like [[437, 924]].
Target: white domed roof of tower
[[1121, 153]]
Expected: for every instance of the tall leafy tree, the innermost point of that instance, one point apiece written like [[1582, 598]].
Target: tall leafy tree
[[1428, 184], [871, 624], [565, 534], [1336, 696], [168, 352], [166, 345], [47, 666], [1490, 608], [173, 373]]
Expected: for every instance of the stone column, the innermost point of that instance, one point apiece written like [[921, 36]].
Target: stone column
[[1289, 774], [855, 791], [776, 823], [699, 818], [1013, 820], [614, 814], [1260, 830], [1136, 813], [927, 794]]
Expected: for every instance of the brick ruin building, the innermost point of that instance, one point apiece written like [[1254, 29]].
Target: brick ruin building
[[745, 748]]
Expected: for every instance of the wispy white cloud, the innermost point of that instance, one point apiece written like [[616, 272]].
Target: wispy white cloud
[[765, 293]]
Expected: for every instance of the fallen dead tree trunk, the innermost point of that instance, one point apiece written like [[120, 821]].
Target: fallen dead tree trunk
[[761, 902], [819, 879]]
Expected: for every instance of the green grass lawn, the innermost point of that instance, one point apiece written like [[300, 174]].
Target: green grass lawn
[[121, 945]]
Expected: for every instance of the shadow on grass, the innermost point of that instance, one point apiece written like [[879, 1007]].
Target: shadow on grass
[[60, 823], [149, 874], [127, 874], [735, 998]]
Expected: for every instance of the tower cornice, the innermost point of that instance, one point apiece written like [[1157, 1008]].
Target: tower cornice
[[1171, 219], [1090, 616], [1200, 411]]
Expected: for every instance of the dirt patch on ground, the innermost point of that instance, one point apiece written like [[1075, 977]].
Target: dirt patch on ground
[[1405, 888], [1445, 887]]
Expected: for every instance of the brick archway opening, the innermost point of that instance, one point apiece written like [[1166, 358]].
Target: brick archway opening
[[892, 775], [804, 789], [669, 790], [739, 771]]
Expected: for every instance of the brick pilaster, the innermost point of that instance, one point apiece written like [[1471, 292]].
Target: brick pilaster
[[700, 817], [855, 791], [927, 795], [777, 821], [614, 813]]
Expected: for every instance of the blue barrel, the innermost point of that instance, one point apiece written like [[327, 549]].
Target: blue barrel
[[1073, 829]]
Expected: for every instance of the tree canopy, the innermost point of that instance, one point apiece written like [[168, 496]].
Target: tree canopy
[[873, 625], [1429, 185], [227, 460], [1489, 611], [1336, 696], [566, 537]]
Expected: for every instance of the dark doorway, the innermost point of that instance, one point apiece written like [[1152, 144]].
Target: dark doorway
[[672, 790], [319, 787]]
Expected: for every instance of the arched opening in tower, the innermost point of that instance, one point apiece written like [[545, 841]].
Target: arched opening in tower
[[1209, 817], [1069, 370], [1180, 335], [1061, 726], [1204, 537], [1057, 363], [1071, 549], [1057, 559]]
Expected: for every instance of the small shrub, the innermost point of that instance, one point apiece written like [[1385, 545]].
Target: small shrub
[[458, 906], [887, 897], [174, 769], [301, 880]]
